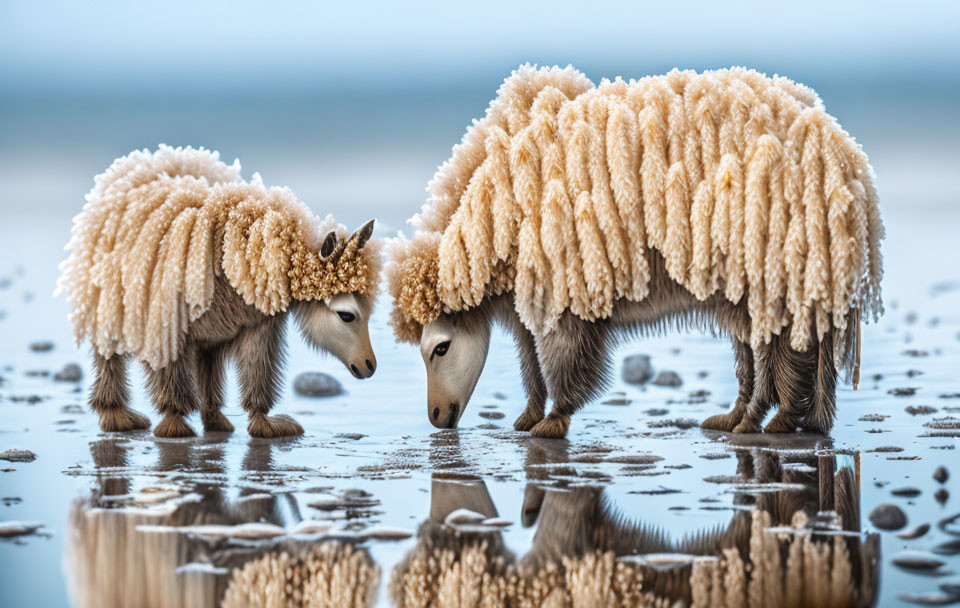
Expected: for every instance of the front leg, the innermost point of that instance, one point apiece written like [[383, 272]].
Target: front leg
[[533, 382], [576, 367], [260, 357], [744, 370]]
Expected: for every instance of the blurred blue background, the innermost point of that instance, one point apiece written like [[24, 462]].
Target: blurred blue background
[[353, 105]]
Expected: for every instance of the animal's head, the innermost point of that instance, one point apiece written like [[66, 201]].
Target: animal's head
[[339, 325], [454, 349]]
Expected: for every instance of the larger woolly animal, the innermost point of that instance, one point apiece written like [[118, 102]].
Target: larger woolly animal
[[574, 214], [179, 262]]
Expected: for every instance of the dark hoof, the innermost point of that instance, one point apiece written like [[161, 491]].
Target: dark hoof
[[123, 419], [720, 422], [551, 427], [269, 427], [173, 427], [526, 421], [216, 423]]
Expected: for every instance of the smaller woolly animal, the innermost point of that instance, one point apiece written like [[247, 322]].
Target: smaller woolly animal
[[577, 215], [177, 261]]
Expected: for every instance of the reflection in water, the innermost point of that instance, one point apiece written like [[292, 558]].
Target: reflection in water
[[163, 545], [793, 538], [795, 542]]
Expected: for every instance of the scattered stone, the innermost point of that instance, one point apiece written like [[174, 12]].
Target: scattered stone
[[942, 447], [492, 415], [656, 411], [906, 492], [940, 434], [316, 384], [9, 501], [715, 456], [873, 418], [678, 467], [941, 495], [947, 423], [949, 396], [9, 529], [668, 378], [41, 346], [637, 369], [885, 449], [36, 373], [700, 394], [71, 372], [617, 401], [903, 392], [351, 436], [913, 373], [645, 459], [28, 399], [929, 598], [915, 410], [71, 409], [888, 517], [655, 492], [951, 547], [917, 561], [941, 474], [15, 455], [914, 532], [915, 353], [500, 396], [680, 423]]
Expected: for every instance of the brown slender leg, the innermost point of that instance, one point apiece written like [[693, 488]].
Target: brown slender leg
[[763, 391], [533, 383], [110, 396], [260, 357], [175, 395], [744, 370], [210, 380], [576, 368]]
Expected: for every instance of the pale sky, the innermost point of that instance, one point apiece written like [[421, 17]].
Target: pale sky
[[66, 44]]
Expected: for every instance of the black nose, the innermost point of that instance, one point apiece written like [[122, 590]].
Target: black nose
[[356, 372], [452, 420], [436, 413], [371, 367]]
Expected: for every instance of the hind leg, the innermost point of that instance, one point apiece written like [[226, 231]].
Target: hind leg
[[763, 391], [576, 369], [210, 380], [174, 391], [260, 357], [744, 370], [823, 409], [792, 373], [110, 397], [533, 382]]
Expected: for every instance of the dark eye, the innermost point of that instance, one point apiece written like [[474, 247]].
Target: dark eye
[[442, 348], [346, 317]]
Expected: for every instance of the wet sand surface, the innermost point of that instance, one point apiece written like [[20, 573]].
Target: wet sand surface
[[373, 504]]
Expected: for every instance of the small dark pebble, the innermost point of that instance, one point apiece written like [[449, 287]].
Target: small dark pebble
[[907, 492], [9, 501], [699, 394], [917, 562], [678, 467], [71, 409], [915, 410], [316, 384], [353, 436], [500, 396], [655, 492], [885, 449], [929, 598], [941, 474], [637, 369], [668, 378], [951, 547], [618, 401], [41, 346], [71, 372], [903, 392], [492, 415], [915, 353], [914, 532], [15, 455], [941, 495], [947, 423], [36, 373], [715, 456], [678, 508], [888, 517], [873, 418], [913, 373], [680, 423], [949, 395], [656, 411]]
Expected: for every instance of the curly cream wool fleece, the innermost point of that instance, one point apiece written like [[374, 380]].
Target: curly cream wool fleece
[[158, 227], [743, 183]]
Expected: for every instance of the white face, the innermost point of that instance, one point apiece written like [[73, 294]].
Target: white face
[[339, 326], [454, 357]]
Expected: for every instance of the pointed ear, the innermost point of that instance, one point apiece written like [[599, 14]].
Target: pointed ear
[[364, 234], [329, 244]]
